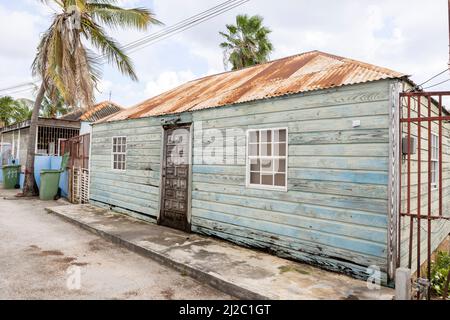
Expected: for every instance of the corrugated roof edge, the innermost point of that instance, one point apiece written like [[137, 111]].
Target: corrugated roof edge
[[401, 76], [105, 120]]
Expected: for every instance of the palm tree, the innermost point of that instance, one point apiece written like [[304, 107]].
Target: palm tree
[[66, 66], [23, 110], [247, 43], [53, 109], [6, 107], [13, 111]]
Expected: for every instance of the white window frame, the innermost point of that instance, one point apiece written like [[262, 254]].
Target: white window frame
[[247, 159], [119, 153], [434, 160]]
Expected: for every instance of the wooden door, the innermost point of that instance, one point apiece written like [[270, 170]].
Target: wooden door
[[176, 178]]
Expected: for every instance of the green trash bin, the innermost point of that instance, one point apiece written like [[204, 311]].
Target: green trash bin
[[11, 176], [49, 184], [50, 181]]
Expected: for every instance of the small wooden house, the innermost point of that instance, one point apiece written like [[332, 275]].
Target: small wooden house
[[294, 156]]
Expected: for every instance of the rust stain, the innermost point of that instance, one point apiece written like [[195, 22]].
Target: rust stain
[[309, 71]]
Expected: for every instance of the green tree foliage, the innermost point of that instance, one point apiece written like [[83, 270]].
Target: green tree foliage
[[67, 66], [54, 109], [246, 43], [13, 111], [439, 273]]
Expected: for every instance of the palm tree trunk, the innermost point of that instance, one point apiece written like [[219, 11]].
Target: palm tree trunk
[[29, 186]]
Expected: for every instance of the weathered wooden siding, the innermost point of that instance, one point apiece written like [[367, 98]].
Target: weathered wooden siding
[[136, 190], [334, 213], [440, 229]]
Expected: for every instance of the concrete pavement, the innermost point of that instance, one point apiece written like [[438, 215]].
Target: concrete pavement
[[41, 254], [241, 272]]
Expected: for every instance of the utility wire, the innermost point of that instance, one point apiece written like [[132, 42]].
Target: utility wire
[[150, 42], [180, 24], [437, 84], [15, 92], [432, 78], [165, 33], [25, 84]]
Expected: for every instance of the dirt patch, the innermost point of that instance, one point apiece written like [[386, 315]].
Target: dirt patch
[[96, 245], [284, 269], [351, 297], [47, 253], [66, 260], [80, 264], [130, 294], [32, 248], [168, 293]]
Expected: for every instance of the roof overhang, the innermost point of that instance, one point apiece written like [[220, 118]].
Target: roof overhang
[[43, 122]]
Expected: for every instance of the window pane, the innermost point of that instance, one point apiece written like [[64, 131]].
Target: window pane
[[254, 137], [255, 165], [280, 165], [266, 165], [267, 180], [255, 178], [266, 136], [279, 136], [266, 150], [279, 149], [280, 180], [254, 150]]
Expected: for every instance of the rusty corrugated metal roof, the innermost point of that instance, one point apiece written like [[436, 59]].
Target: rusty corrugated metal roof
[[99, 111], [309, 71]]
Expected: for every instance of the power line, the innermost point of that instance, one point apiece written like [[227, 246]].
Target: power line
[[179, 24], [167, 32], [432, 78], [185, 28], [437, 84], [25, 84], [16, 92]]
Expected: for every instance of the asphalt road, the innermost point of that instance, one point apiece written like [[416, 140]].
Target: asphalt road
[[44, 257]]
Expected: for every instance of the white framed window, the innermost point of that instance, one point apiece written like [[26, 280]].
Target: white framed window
[[267, 156], [119, 153], [434, 160]]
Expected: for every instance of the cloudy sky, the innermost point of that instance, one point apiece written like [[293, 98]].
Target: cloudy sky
[[409, 36]]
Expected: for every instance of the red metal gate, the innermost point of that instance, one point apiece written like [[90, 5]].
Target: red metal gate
[[424, 123], [79, 151], [78, 167]]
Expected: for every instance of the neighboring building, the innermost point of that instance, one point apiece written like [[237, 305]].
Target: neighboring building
[[49, 136], [89, 116], [51, 132], [294, 156]]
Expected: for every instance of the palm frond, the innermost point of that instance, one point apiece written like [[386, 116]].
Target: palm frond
[[116, 17], [246, 43], [110, 48]]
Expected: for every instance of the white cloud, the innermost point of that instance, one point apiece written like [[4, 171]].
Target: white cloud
[[166, 81], [404, 35], [104, 86]]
